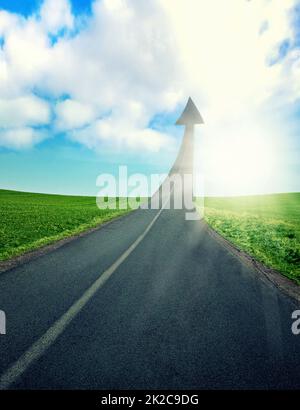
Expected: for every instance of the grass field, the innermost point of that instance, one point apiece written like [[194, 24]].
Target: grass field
[[265, 226], [29, 221]]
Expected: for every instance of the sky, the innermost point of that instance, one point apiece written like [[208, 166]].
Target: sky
[[87, 86]]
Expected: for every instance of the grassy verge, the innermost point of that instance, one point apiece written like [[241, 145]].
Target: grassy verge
[[29, 221], [265, 226]]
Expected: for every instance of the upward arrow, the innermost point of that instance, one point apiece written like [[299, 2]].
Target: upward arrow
[[185, 158], [184, 163], [190, 115]]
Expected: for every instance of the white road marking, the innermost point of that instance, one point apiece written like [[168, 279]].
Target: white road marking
[[44, 342]]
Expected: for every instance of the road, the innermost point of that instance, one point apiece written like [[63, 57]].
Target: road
[[177, 311]]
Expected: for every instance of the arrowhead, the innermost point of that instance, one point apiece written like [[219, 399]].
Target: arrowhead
[[190, 114]]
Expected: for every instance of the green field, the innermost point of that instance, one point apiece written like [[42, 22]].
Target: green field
[[265, 226], [29, 221]]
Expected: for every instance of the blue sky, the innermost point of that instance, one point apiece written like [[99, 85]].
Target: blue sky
[[28, 7], [88, 86]]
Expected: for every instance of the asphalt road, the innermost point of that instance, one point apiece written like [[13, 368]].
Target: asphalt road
[[178, 311]]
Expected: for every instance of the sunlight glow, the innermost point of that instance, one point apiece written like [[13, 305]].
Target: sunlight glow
[[238, 162], [226, 48]]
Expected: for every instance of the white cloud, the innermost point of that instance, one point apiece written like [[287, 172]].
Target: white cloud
[[73, 114], [104, 131], [8, 21], [289, 86], [24, 111], [25, 58], [18, 116], [123, 128], [20, 138], [56, 15], [133, 59]]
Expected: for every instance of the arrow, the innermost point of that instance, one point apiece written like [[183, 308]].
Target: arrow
[[190, 115], [185, 159], [184, 164]]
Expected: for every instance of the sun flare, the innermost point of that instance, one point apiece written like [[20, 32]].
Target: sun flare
[[237, 162]]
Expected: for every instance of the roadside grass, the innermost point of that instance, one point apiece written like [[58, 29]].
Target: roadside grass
[[29, 221], [265, 226]]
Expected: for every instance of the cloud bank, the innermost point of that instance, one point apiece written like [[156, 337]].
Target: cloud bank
[[101, 78]]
